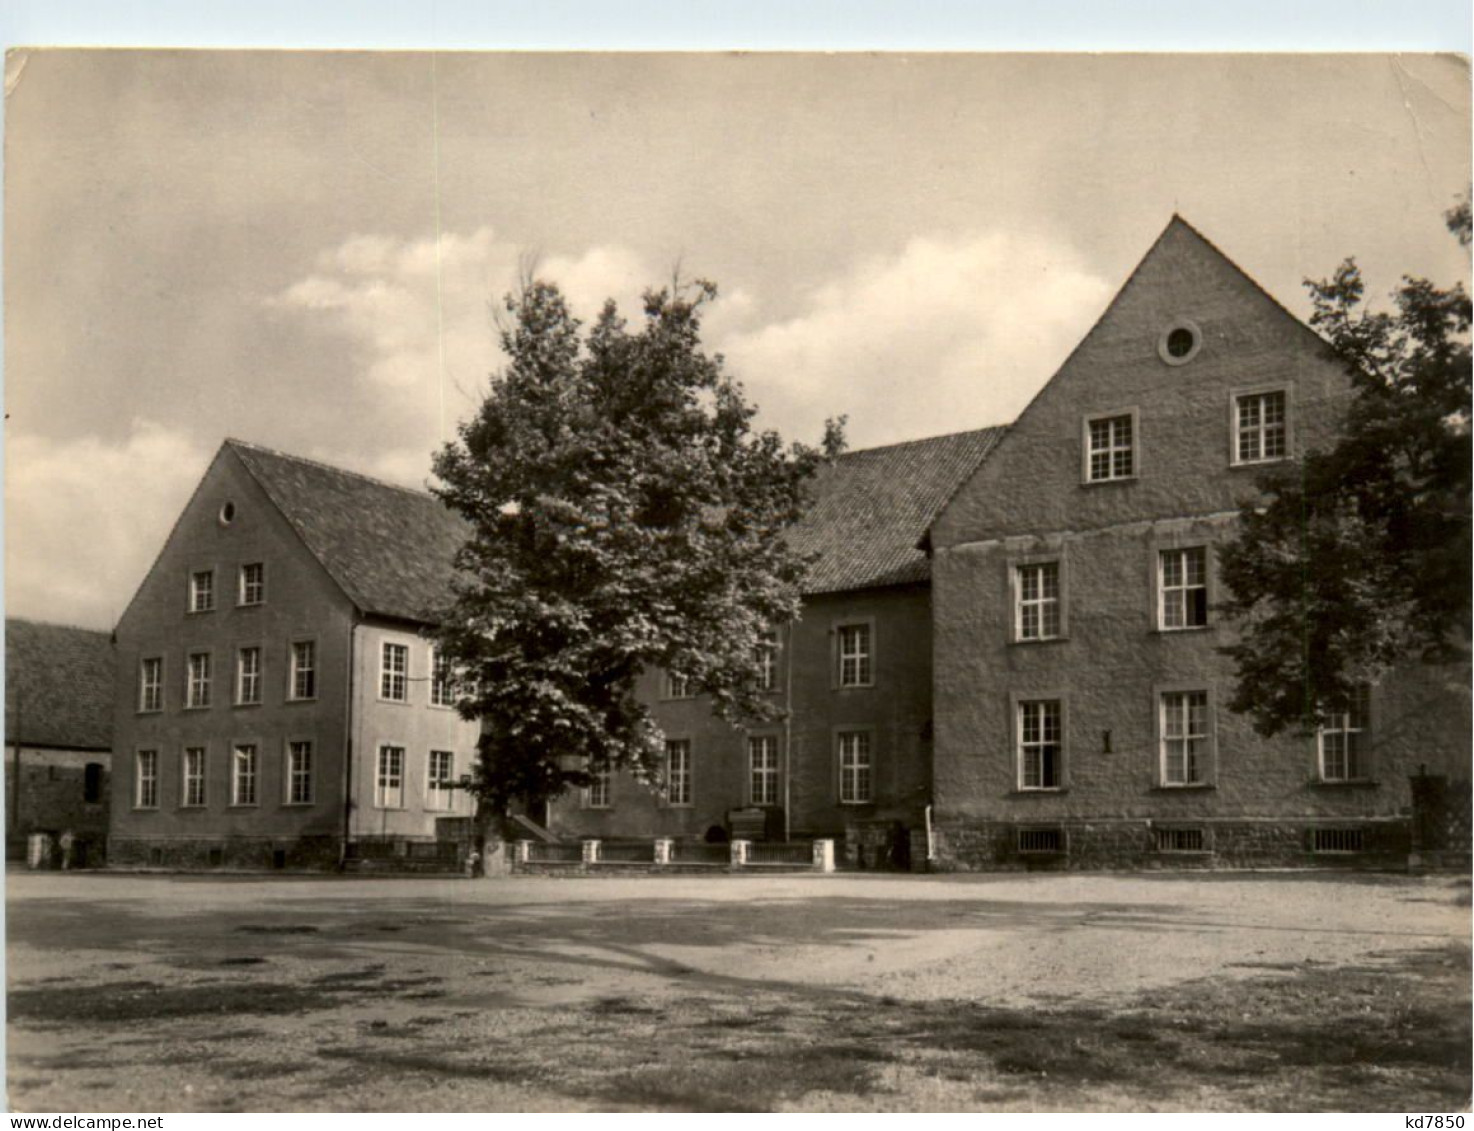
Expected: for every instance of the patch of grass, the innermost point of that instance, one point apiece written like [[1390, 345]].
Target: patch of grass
[[622, 1006], [148, 1001], [278, 929]]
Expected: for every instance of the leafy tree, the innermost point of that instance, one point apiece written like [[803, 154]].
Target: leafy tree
[[624, 516], [1358, 557]]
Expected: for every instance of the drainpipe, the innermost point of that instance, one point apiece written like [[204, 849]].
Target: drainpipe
[[349, 715], [787, 731]]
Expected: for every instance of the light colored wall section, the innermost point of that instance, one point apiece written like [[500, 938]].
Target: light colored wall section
[[415, 725]]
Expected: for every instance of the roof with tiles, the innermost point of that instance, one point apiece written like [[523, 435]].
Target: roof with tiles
[[872, 508], [391, 548], [59, 684]]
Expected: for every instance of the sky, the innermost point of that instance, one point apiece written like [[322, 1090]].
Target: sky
[[307, 250]]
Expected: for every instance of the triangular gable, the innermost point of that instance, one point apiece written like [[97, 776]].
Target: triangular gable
[[1032, 483]]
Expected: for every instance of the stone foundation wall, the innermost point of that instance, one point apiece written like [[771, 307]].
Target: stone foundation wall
[[974, 846], [203, 854]]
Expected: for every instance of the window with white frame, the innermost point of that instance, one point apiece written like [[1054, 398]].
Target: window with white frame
[[193, 772], [1040, 743], [1182, 577], [596, 795], [1110, 448], [197, 687], [762, 765], [767, 661], [439, 780], [146, 779], [1185, 738], [252, 584], [1344, 740], [1038, 601], [678, 686], [441, 693], [299, 773], [248, 675], [151, 683], [854, 655], [389, 783], [202, 591], [304, 670], [855, 781], [244, 767], [678, 771], [394, 673], [1260, 427]]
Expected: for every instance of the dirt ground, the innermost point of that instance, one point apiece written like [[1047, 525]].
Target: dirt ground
[[1237, 992]]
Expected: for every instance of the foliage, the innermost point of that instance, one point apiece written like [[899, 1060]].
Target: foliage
[[1358, 557], [625, 517]]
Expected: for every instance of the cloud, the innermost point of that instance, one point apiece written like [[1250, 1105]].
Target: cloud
[[942, 336], [85, 518]]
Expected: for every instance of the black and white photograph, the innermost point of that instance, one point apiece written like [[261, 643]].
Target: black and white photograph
[[808, 582]]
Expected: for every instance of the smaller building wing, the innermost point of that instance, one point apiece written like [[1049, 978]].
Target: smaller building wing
[[59, 684]]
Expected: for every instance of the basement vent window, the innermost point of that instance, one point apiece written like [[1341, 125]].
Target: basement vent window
[[1180, 840], [1180, 344], [217, 857], [1336, 840], [1041, 841]]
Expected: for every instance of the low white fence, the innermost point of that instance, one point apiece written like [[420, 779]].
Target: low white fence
[[666, 852]]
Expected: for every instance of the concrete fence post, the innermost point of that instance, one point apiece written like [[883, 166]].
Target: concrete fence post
[[740, 849], [591, 852], [823, 855], [524, 852], [663, 847]]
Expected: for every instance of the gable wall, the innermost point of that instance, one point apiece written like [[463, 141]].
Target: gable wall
[[301, 602]]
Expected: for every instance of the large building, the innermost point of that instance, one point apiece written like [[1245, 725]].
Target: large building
[[277, 704], [1009, 653], [1081, 689], [59, 684]]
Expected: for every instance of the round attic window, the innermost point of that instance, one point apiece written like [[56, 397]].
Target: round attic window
[[227, 514], [1180, 344]]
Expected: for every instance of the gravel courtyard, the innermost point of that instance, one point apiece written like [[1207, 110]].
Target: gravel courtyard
[[1281, 991]]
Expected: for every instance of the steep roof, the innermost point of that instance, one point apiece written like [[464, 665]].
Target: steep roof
[[59, 684], [872, 507], [389, 548]]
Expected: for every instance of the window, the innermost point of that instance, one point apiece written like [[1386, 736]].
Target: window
[[1343, 741], [299, 773], [1260, 427], [1185, 739], [596, 796], [151, 684], [394, 673], [248, 676], [243, 775], [146, 780], [854, 768], [762, 761], [1040, 747], [1110, 448], [854, 655], [1183, 583], [194, 777], [92, 783], [438, 780], [197, 692], [1038, 601], [1337, 840], [1048, 842], [1180, 344], [678, 686], [678, 771], [389, 786], [253, 584], [767, 661], [1180, 840], [304, 670], [441, 694], [202, 591]]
